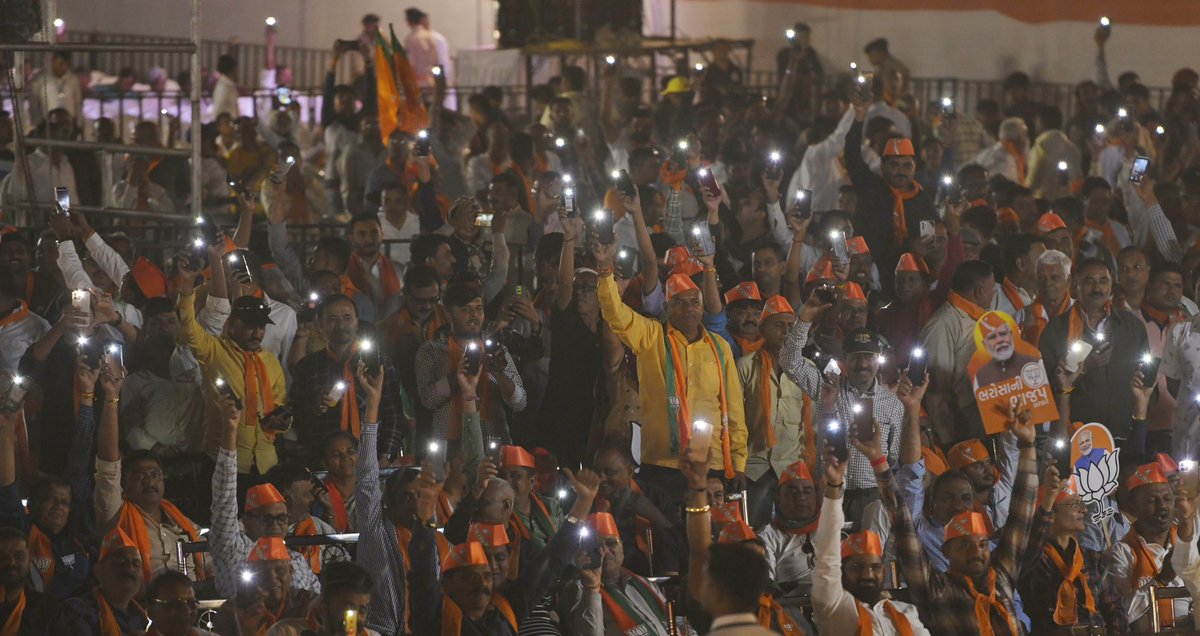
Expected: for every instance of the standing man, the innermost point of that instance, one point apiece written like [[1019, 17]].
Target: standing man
[[370, 269], [58, 88], [225, 94], [1053, 294], [1021, 253], [426, 48], [1160, 311]]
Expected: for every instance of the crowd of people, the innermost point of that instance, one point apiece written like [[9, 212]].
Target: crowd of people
[[690, 365]]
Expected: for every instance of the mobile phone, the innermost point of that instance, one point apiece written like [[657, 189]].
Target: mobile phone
[[774, 171], [832, 370], [1148, 365], [436, 71], [826, 293], [369, 354], [89, 348], [1100, 342], [918, 364], [308, 310], [492, 450], [246, 591], [699, 442], [866, 89], [1105, 24], [1189, 479], [1064, 175], [18, 386], [589, 545], [626, 259], [864, 420], [209, 229], [680, 155], [81, 301], [279, 175], [927, 229], [1076, 354], [700, 240], [708, 181], [835, 436], [436, 456], [335, 394], [790, 34], [569, 201], [484, 220], [518, 291], [1140, 165], [492, 347], [283, 94], [281, 413], [1060, 451], [948, 110], [237, 185], [224, 390], [624, 184], [350, 622], [423, 144], [62, 195], [739, 498], [238, 266], [474, 355], [803, 203], [114, 355], [837, 241], [603, 223]]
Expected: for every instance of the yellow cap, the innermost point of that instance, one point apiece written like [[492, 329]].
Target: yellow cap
[[678, 84]]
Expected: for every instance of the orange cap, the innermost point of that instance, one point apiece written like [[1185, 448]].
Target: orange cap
[[854, 292], [515, 456], [1063, 495], [967, 453], [744, 291], [798, 470], [910, 262], [1146, 475], [1169, 466], [933, 464], [775, 305], [1008, 215], [269, 549], [679, 284], [151, 280], [899, 147], [967, 524], [726, 512], [604, 524], [822, 270], [857, 245], [465, 555], [115, 540], [991, 322], [865, 543], [492, 535], [262, 495], [675, 257], [736, 532], [1049, 222]]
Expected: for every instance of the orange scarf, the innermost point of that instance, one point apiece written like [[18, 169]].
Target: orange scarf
[[348, 287], [766, 371], [985, 604], [41, 552], [1032, 333], [308, 528], [866, 621], [445, 509], [676, 346], [350, 414], [269, 618], [1018, 158], [1013, 293], [341, 519], [108, 620], [131, 519], [505, 608], [1144, 569], [389, 280], [1065, 612], [899, 222], [749, 346], [793, 529], [672, 179], [435, 321], [1077, 322], [257, 382], [769, 609], [1110, 237], [1162, 318], [973, 311], [12, 627]]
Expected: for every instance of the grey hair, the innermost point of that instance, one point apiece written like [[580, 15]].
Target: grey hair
[[1055, 257], [1012, 129]]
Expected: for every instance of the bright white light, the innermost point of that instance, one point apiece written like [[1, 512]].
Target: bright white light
[[834, 426], [1187, 465], [247, 576], [83, 340], [857, 408], [1100, 336], [472, 346], [1122, 113], [835, 235], [790, 34], [562, 493], [917, 353], [570, 192], [314, 297], [696, 231], [947, 179], [290, 160], [683, 144], [433, 447], [611, 59], [199, 242], [18, 380], [366, 345], [862, 79], [271, 21], [800, 195], [560, 142], [1099, 129], [58, 23], [700, 426], [882, 359], [583, 532], [1104, 21], [1062, 166], [598, 215], [422, 134], [112, 348], [623, 254], [199, 220], [232, 258], [1159, 130], [219, 382], [1060, 443], [1147, 358], [854, 66], [437, 71], [947, 102], [341, 386], [567, 178], [775, 156], [616, 174], [489, 344], [703, 172], [699, 67]]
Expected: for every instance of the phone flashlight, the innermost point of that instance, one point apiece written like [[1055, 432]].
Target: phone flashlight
[[270, 21]]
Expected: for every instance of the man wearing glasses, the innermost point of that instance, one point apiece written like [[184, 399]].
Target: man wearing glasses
[[171, 605]]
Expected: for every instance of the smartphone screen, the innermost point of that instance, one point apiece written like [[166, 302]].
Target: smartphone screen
[[927, 229], [605, 232], [62, 194], [701, 439], [624, 184], [626, 260], [1140, 166], [917, 366], [284, 94], [492, 450], [835, 436], [569, 201], [864, 420], [1149, 368], [437, 460], [370, 355], [774, 171], [708, 181], [866, 90], [474, 356], [700, 241], [803, 204], [837, 241], [421, 148]]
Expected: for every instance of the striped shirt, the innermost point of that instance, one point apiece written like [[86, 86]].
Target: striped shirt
[[378, 546]]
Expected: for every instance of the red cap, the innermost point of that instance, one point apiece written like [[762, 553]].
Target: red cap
[[910, 262], [967, 524], [465, 555], [1146, 475], [515, 456], [775, 305], [899, 147], [1169, 466], [151, 280], [262, 495], [1049, 222], [492, 535], [603, 524], [736, 532], [115, 540], [857, 245], [269, 549], [679, 284], [798, 470], [865, 543], [744, 291], [966, 453], [854, 292]]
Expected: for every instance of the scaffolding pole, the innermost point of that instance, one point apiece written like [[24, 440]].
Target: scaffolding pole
[[67, 144], [99, 47], [195, 96]]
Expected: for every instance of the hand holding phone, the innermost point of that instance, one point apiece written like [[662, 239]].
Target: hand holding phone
[[918, 364], [836, 438], [802, 206], [699, 442], [700, 240], [1140, 165], [708, 181], [423, 144], [474, 356], [62, 196], [604, 225], [1060, 450]]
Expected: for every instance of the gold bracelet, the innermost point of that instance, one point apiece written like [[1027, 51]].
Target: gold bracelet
[[1067, 391], [112, 400], [83, 395], [697, 511]]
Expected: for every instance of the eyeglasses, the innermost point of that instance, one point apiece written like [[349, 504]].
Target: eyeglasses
[[1072, 506], [177, 603], [268, 520]]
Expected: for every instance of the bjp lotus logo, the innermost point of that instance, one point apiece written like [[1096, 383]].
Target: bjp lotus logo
[[1097, 467]]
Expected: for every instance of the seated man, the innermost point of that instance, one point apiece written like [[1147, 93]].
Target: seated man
[[111, 607], [788, 538], [22, 610], [536, 518], [345, 593], [264, 593], [172, 607], [339, 457], [295, 483], [635, 506]]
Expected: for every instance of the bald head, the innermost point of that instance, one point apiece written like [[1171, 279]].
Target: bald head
[[496, 503]]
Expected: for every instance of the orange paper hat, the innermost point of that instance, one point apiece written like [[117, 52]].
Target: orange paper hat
[[775, 305], [604, 524], [857, 245], [726, 512], [679, 284], [991, 322], [676, 257], [1168, 464], [262, 495], [865, 543], [1008, 215], [151, 280], [933, 464], [854, 292], [967, 524], [115, 540], [822, 270], [899, 147], [269, 549], [1049, 222], [736, 532], [515, 456], [744, 291], [1063, 495], [910, 262], [798, 470], [1146, 475], [492, 535], [967, 453], [465, 555]]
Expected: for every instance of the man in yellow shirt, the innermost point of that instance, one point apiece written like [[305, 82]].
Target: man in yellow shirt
[[238, 360], [685, 374]]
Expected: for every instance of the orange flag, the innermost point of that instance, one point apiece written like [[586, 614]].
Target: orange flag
[[388, 99], [412, 114]]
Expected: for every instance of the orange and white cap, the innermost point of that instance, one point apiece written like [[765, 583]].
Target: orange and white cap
[[1169, 465], [821, 271], [910, 262], [262, 495], [899, 147], [1049, 222], [775, 305], [967, 524], [744, 291], [736, 532], [269, 549], [854, 292], [933, 464], [865, 543], [1146, 475], [465, 555], [798, 470], [515, 456], [966, 453], [115, 540], [680, 284], [603, 524], [492, 535], [991, 322]]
